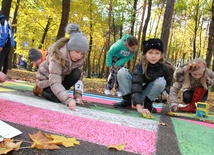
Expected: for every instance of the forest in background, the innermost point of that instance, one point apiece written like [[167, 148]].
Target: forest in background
[[185, 26]]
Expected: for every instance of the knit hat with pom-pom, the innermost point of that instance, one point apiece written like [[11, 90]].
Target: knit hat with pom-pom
[[78, 41]]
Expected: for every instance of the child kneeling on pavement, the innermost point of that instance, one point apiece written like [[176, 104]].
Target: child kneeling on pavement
[[191, 80], [63, 68], [149, 79]]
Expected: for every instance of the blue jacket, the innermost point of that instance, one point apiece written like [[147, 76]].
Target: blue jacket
[[5, 32]]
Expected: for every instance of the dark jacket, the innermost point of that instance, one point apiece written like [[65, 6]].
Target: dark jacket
[[140, 81]]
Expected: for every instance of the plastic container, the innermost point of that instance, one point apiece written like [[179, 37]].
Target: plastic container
[[202, 109]]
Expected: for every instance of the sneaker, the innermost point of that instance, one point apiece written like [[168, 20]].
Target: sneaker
[[107, 92], [118, 93]]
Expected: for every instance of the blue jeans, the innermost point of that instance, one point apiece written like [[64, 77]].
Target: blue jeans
[[151, 91]]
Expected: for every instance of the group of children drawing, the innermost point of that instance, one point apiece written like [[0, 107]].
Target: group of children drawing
[[63, 68]]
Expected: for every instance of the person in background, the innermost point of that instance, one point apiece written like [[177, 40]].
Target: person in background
[[3, 77], [63, 68], [120, 52], [149, 79], [6, 42], [36, 56], [192, 80]]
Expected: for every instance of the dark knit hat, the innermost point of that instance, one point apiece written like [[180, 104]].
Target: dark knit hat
[[78, 41], [153, 43], [34, 54]]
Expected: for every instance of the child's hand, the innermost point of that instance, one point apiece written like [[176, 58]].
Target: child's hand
[[145, 111], [72, 105], [174, 108], [79, 101], [115, 66], [3, 77], [142, 111], [165, 94], [208, 80]]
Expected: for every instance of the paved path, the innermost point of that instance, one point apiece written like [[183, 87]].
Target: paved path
[[98, 125]]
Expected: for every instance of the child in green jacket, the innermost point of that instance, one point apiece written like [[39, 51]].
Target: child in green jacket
[[120, 52]]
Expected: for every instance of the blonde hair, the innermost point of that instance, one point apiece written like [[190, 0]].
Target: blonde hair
[[142, 60], [193, 66]]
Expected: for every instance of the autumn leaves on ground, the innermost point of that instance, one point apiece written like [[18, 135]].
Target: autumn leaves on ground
[[92, 85], [40, 141]]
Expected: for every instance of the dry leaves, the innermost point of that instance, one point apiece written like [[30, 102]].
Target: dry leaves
[[40, 141], [147, 116], [163, 124], [8, 145], [61, 140], [118, 147]]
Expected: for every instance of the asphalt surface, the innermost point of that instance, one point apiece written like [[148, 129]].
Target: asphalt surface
[[170, 139]]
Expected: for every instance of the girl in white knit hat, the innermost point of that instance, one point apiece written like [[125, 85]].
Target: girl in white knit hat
[[63, 68]]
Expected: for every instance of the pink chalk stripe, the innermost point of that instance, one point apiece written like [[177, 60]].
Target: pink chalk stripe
[[98, 100], [136, 140], [199, 123]]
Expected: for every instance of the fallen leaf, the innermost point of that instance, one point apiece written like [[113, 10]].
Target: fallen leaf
[[61, 140], [14, 146], [119, 147], [171, 114], [7, 146], [147, 116], [41, 142], [4, 150], [163, 124]]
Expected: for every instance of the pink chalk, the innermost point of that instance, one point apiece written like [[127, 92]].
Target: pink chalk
[[200, 123], [136, 140]]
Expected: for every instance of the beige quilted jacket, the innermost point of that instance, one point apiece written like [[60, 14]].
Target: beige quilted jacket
[[56, 66]]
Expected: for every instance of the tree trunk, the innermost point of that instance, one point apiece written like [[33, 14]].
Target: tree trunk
[[64, 19], [6, 5], [197, 19], [167, 23], [132, 28], [210, 48], [159, 17], [107, 44], [146, 23], [91, 42], [45, 32], [139, 33]]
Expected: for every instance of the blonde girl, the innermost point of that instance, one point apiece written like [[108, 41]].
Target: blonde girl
[[63, 68], [149, 79], [192, 79]]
